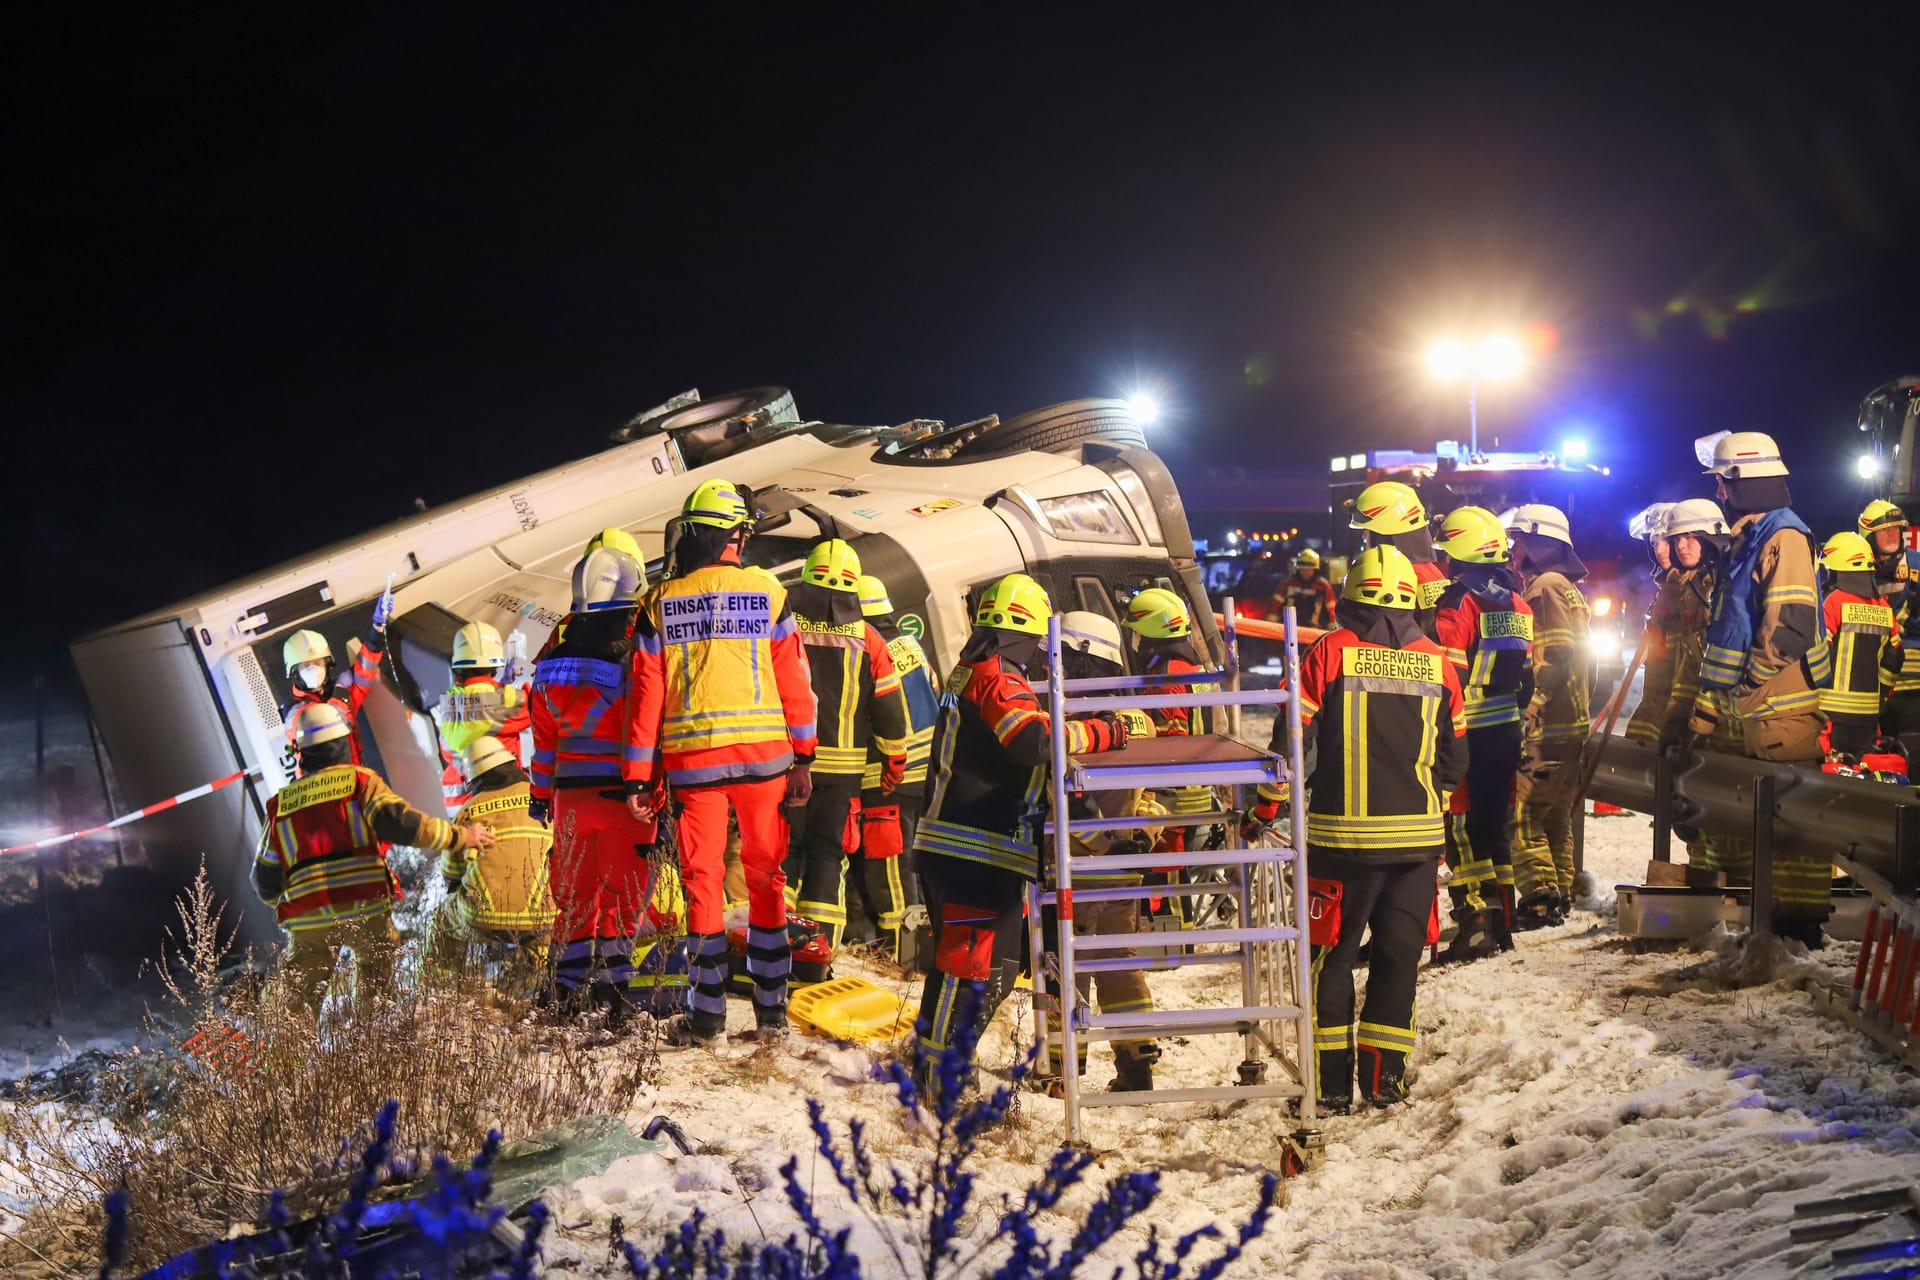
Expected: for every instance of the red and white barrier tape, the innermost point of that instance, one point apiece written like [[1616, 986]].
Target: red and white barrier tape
[[127, 818]]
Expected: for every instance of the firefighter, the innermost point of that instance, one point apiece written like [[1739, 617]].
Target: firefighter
[[1392, 515], [888, 818], [497, 898], [1867, 654], [862, 710], [1557, 719], [1895, 566], [1383, 712], [1090, 650], [1698, 539], [979, 843], [310, 670], [478, 705], [603, 859], [1656, 686], [1485, 629], [1163, 633], [322, 859], [1308, 591], [1767, 655], [723, 710]]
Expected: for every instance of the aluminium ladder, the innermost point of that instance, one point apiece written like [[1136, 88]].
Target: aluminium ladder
[[1267, 882]]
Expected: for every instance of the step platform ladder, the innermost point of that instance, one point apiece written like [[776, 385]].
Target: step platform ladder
[[1267, 881]]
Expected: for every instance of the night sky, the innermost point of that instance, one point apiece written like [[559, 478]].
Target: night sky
[[273, 283]]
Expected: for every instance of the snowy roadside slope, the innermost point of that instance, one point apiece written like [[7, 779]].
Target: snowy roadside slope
[[1587, 1106]]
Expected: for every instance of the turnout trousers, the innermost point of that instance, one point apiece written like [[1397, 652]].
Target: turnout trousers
[[704, 811], [1480, 831], [816, 868], [1392, 901], [602, 874], [888, 883], [976, 912], [313, 954], [1543, 834], [1802, 885], [1111, 990]]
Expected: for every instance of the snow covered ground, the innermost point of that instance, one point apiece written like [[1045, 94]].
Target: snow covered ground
[[1585, 1106]]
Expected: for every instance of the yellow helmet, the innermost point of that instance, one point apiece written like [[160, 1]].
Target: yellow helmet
[[1382, 576], [477, 645], [718, 503], [1472, 535], [1881, 514], [617, 538], [1847, 553], [874, 601], [1307, 559], [303, 647], [833, 564], [1388, 507], [1015, 603], [1158, 613]]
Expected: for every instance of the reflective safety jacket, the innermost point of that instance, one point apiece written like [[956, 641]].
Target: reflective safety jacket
[[1867, 655], [1433, 582], [1766, 643], [472, 710], [1656, 679], [922, 693], [1559, 713], [721, 691], [1116, 804], [349, 692], [578, 710], [1173, 721], [1312, 600], [1903, 593], [992, 748], [1387, 728], [322, 842], [1685, 603], [861, 707], [505, 887], [1486, 632]]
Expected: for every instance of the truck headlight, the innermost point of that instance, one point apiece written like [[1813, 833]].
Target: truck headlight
[[1604, 646]]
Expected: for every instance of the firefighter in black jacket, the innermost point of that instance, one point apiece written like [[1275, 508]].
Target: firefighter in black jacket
[[979, 843], [1382, 707]]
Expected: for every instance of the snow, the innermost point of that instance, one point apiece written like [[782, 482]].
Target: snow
[[1585, 1106]]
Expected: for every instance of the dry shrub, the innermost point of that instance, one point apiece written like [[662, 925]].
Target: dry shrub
[[202, 1140]]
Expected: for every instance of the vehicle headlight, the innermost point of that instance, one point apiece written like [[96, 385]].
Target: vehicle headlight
[[1604, 646]]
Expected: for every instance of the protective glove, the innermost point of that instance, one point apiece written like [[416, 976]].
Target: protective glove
[[1706, 716], [382, 612], [1260, 817], [800, 782], [892, 773], [539, 810]]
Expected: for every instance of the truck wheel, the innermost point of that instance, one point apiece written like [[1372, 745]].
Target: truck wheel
[[1059, 428]]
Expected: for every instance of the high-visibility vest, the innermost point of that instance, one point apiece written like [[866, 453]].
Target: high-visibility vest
[[504, 888], [320, 833]]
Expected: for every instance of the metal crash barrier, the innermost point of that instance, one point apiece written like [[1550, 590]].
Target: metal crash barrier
[[1870, 830]]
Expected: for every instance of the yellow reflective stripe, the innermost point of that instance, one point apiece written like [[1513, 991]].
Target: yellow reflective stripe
[[1375, 1036], [1790, 595], [1423, 760], [1013, 722]]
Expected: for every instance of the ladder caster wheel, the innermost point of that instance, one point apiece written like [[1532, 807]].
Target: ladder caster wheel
[[1252, 1072]]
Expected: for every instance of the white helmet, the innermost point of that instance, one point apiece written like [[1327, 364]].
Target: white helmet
[[480, 755], [318, 722], [1739, 455], [478, 645], [1094, 634], [1651, 523], [1538, 518], [1696, 515], [305, 646], [607, 578]]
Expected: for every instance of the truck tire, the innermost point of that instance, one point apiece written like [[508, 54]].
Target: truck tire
[[1059, 428]]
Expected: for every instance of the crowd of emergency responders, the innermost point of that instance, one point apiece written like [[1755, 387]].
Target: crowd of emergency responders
[[820, 778]]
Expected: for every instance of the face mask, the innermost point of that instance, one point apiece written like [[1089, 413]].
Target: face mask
[[311, 674]]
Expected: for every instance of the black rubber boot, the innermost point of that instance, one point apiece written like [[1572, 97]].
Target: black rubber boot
[[1500, 919], [1133, 1073], [1473, 937], [1803, 931], [1541, 909]]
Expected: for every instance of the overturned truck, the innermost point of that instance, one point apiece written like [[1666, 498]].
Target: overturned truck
[[190, 693]]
